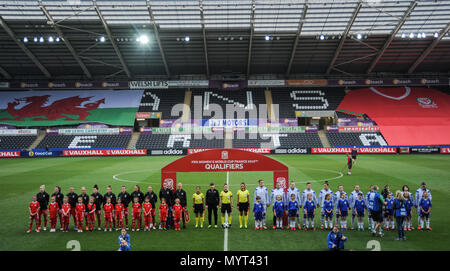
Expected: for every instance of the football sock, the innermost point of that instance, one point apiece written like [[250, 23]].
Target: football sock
[[428, 223], [246, 220], [202, 219], [312, 223], [196, 221], [353, 221], [321, 220], [240, 220], [229, 219], [223, 220], [326, 224]]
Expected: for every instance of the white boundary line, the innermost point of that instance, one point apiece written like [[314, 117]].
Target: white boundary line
[[225, 235]]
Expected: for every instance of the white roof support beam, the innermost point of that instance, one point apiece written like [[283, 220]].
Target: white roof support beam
[[344, 36], [111, 39], [24, 48], [392, 36], [158, 39], [429, 49], [297, 38], [250, 41], [65, 40], [205, 45]]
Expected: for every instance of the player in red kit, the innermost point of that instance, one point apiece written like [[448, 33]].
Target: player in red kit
[[147, 206], [65, 212], [120, 211], [54, 211], [108, 209], [80, 210], [34, 210], [177, 212], [90, 210], [163, 210], [136, 214]]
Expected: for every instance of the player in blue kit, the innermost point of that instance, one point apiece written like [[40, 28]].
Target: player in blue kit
[[293, 211], [343, 206], [409, 204], [310, 211], [360, 208], [258, 210], [278, 210], [425, 209], [389, 213], [327, 208]]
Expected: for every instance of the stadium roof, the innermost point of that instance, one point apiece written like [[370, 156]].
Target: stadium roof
[[284, 38]]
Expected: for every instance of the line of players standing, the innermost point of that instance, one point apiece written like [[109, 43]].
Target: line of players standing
[[88, 208]]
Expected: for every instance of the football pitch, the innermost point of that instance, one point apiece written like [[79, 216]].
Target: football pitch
[[20, 180]]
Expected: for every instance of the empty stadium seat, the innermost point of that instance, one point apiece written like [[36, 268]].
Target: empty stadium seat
[[16, 142], [161, 101], [281, 140], [298, 99], [356, 139], [176, 141], [84, 141]]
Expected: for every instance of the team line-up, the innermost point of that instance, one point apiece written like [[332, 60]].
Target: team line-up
[[289, 204]]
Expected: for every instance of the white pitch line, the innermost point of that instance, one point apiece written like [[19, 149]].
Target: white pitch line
[[225, 235]]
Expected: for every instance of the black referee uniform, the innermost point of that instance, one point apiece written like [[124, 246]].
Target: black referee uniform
[[212, 201]]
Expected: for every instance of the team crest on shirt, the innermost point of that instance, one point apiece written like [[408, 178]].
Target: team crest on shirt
[[426, 102]]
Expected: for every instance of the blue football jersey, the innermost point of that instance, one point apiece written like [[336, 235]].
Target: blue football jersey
[[360, 205], [328, 205], [343, 205], [425, 204], [389, 204], [293, 205], [310, 206]]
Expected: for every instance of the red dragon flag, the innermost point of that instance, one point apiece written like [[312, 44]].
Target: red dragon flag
[[51, 108]]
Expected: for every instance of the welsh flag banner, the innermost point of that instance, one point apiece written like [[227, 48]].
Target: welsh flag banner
[[52, 108]]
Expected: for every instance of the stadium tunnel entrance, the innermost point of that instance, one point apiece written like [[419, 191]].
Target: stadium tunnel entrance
[[225, 160]]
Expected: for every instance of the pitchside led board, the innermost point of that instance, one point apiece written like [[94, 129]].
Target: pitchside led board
[[68, 107], [219, 160]]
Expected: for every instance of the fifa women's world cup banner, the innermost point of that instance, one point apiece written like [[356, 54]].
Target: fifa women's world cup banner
[[51, 108]]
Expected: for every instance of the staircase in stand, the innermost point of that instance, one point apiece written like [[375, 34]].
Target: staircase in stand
[[133, 140], [323, 138]]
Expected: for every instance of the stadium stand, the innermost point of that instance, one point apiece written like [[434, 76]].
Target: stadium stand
[[356, 139], [16, 142], [176, 141], [281, 140], [161, 101], [306, 99], [241, 99], [84, 141]]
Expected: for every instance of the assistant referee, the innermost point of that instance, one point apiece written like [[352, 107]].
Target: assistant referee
[[226, 205], [243, 199]]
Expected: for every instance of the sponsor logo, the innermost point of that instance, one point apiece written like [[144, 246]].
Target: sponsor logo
[[224, 155], [9, 153], [360, 150], [279, 151], [103, 152], [147, 84], [297, 150], [445, 150], [426, 102], [255, 150], [40, 153], [169, 182], [359, 128]]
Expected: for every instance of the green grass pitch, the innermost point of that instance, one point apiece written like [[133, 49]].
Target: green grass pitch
[[21, 178]]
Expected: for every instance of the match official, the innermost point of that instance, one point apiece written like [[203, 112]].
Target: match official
[[212, 203]]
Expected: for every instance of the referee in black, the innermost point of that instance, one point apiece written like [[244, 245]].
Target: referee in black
[[181, 194], [212, 203]]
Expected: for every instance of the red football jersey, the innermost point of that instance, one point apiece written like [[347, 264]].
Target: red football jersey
[[53, 208], [147, 207], [91, 207], [177, 209], [108, 208], [34, 206], [163, 208], [119, 208], [136, 207], [80, 208], [66, 208]]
